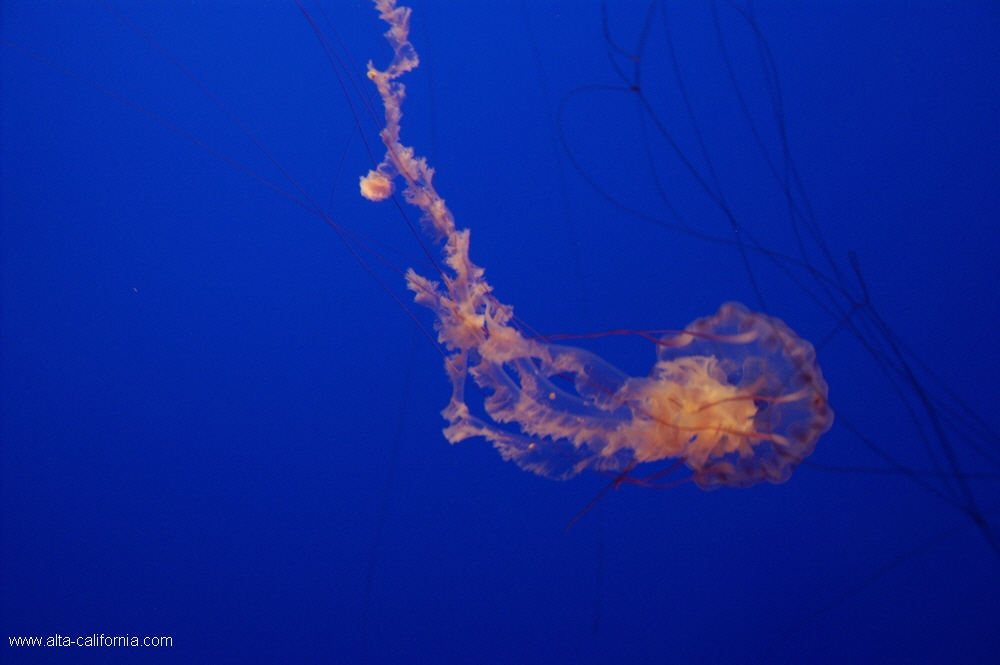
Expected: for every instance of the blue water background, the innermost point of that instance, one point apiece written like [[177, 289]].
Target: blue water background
[[217, 426]]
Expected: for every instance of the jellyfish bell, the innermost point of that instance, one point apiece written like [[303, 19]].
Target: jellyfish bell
[[738, 395]]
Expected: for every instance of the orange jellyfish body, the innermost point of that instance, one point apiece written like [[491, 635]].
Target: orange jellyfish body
[[760, 408], [737, 397]]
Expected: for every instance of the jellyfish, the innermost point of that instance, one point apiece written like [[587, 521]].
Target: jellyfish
[[825, 546], [737, 397]]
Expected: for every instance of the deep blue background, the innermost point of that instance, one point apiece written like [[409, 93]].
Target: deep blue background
[[202, 391]]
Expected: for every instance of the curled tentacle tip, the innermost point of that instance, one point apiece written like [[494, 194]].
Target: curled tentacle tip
[[376, 187]]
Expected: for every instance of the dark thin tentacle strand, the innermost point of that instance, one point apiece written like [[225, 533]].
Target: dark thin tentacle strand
[[942, 420]]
